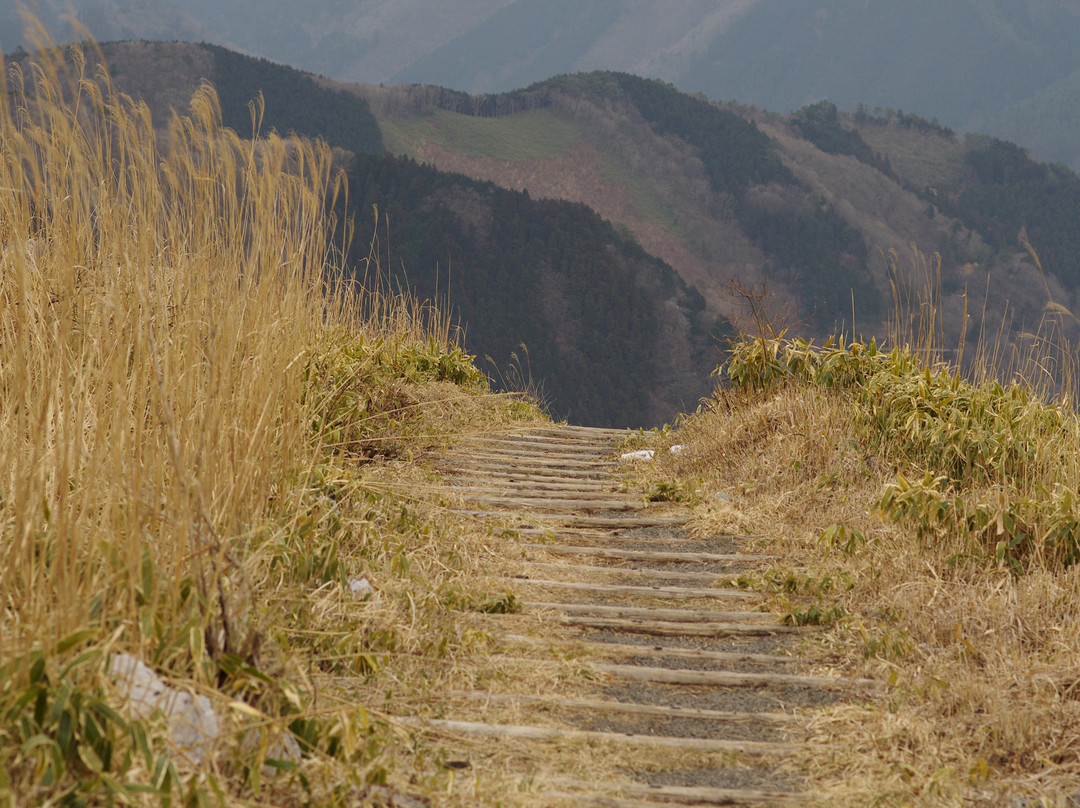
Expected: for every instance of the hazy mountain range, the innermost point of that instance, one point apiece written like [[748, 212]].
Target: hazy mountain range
[[1005, 67], [599, 219]]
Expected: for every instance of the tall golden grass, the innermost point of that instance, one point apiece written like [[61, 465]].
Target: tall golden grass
[[190, 388], [156, 317], [1043, 359]]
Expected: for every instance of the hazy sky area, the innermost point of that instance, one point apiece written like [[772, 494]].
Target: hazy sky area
[[1008, 67]]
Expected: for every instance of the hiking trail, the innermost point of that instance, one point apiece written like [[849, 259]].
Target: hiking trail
[[619, 586]]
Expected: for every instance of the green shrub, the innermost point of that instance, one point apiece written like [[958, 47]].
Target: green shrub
[[986, 463]]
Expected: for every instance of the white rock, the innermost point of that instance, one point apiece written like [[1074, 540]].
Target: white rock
[[677, 448], [193, 724], [281, 747], [642, 454], [362, 589]]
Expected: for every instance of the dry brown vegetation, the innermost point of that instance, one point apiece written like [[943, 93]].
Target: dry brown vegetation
[[931, 523], [207, 439]]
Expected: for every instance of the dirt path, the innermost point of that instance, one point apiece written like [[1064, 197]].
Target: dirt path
[[619, 587]]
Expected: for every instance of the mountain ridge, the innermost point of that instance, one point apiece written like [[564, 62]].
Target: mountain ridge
[[977, 65], [883, 181], [821, 207]]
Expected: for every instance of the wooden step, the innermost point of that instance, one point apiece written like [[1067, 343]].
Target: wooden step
[[681, 794], [655, 556], [524, 451], [625, 521], [571, 520], [627, 708], [517, 471], [528, 491], [572, 429], [650, 614], [667, 628], [662, 592], [570, 447], [598, 535], [561, 505], [541, 484], [468, 459], [676, 676], [707, 678], [605, 801], [656, 651], [520, 732], [642, 574]]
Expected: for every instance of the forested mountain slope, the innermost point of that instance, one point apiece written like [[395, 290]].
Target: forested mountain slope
[[609, 334], [811, 203]]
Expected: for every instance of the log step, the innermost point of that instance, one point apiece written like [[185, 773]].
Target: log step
[[539, 484], [649, 614], [604, 801], [542, 465], [565, 429], [525, 461], [627, 708], [660, 652], [516, 471], [667, 628], [657, 556], [561, 735], [644, 574], [572, 505], [676, 676], [537, 445], [525, 452], [530, 492], [682, 794], [594, 521], [608, 536], [664, 592]]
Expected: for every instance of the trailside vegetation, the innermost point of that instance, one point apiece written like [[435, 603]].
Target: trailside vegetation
[[196, 412], [927, 516], [983, 468]]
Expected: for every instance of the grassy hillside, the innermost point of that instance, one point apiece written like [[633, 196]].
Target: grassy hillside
[[535, 135]]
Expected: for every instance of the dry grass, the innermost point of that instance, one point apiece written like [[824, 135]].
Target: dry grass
[[205, 436], [966, 604], [981, 664]]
